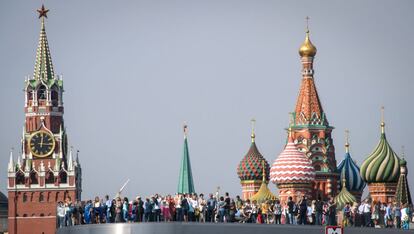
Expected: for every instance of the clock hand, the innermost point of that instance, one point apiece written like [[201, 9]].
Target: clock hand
[[41, 141]]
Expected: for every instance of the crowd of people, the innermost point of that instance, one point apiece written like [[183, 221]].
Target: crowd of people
[[218, 209]]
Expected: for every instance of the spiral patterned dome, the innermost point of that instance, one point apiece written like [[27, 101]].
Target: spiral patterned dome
[[250, 167], [383, 164], [350, 171], [344, 197], [292, 166]]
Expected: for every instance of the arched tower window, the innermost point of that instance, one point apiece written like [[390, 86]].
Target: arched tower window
[[41, 93], [19, 178], [24, 197], [41, 197], [29, 94], [50, 178], [63, 177], [34, 178], [55, 96]]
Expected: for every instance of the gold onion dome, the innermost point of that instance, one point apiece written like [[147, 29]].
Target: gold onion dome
[[344, 197], [264, 194], [307, 49]]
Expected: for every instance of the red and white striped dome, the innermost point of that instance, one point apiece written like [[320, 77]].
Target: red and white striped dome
[[292, 166]]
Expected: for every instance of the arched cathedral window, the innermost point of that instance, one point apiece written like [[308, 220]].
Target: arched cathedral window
[[41, 92]]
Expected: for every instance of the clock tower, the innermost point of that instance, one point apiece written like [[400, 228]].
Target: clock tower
[[46, 172]]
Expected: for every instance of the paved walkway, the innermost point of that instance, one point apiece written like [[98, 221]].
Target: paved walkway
[[211, 228]]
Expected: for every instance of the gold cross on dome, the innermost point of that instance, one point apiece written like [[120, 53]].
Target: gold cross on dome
[[307, 23]]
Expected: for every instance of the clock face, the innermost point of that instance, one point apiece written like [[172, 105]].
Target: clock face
[[41, 144]]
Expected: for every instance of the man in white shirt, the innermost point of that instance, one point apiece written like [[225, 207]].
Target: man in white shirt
[[61, 213], [367, 213], [361, 219]]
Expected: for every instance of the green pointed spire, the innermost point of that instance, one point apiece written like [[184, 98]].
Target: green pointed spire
[[402, 194], [43, 67], [185, 180]]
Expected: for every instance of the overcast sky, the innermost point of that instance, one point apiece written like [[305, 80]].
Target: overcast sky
[[135, 70]]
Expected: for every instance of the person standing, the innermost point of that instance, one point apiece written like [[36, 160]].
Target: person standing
[[397, 215], [147, 210], [405, 217], [303, 208], [68, 212], [388, 216], [291, 211], [118, 211], [227, 200], [346, 215], [211, 208], [60, 214], [318, 211], [107, 207], [367, 213], [277, 209], [202, 208], [88, 210], [156, 209], [221, 209], [331, 212], [361, 219], [140, 209]]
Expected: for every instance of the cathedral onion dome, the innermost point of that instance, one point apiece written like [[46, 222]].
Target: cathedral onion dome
[[264, 194], [292, 166], [350, 171], [344, 197], [382, 165], [307, 49], [250, 167]]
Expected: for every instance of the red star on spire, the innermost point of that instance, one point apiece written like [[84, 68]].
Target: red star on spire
[[43, 12]]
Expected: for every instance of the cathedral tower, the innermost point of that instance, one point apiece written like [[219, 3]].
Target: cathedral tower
[[350, 173], [252, 168], [45, 173], [381, 169], [311, 131]]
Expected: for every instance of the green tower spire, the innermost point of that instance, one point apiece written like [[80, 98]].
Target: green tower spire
[[43, 67], [185, 180]]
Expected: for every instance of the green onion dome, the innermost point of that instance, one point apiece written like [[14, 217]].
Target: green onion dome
[[383, 164], [344, 197]]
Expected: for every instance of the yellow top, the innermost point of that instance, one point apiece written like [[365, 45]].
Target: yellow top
[[307, 49]]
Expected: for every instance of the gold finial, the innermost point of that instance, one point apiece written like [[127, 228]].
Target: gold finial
[[42, 12], [343, 180], [382, 120], [291, 119], [307, 49], [253, 136], [185, 129], [264, 171], [347, 141]]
